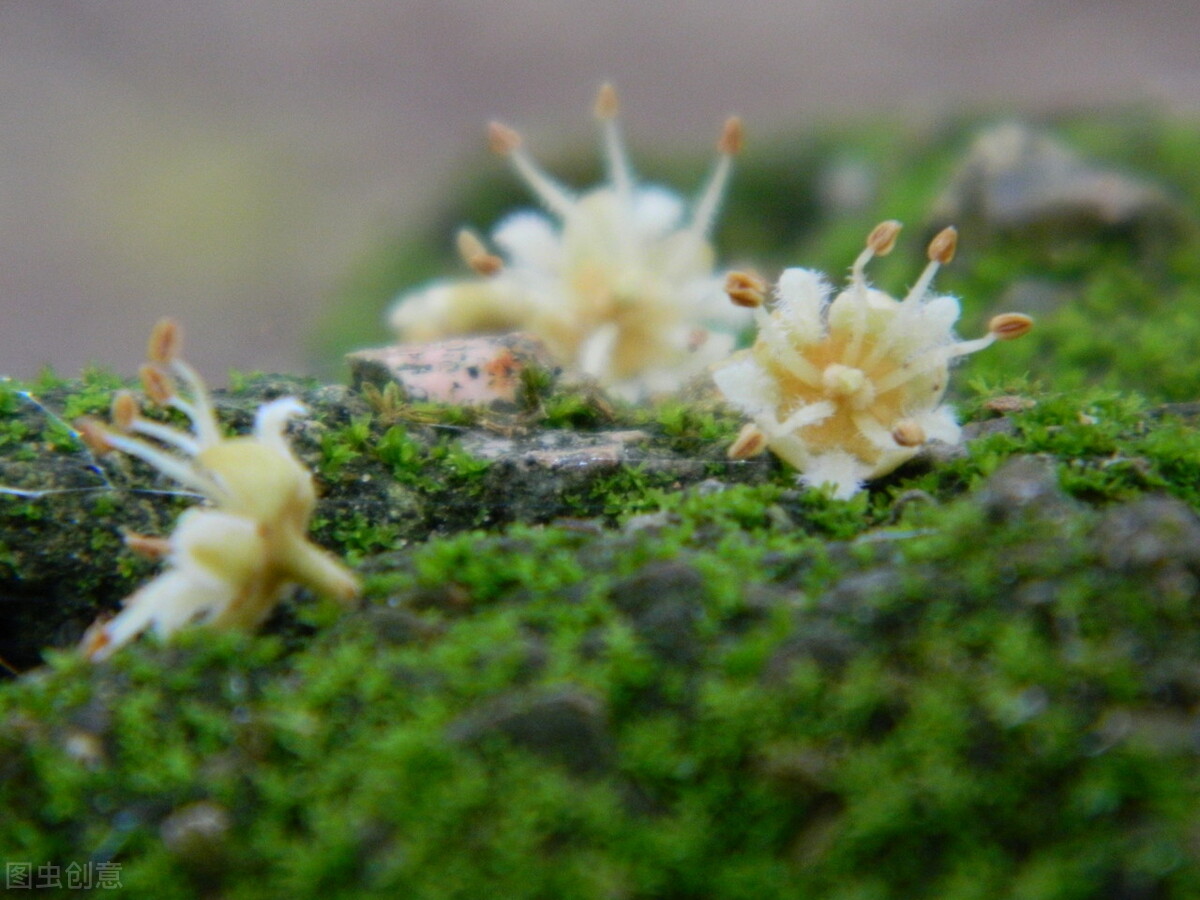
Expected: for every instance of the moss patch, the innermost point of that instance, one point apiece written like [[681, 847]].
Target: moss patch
[[598, 659]]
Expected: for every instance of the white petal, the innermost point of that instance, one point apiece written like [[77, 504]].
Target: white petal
[[746, 385], [840, 473], [656, 212], [939, 424], [801, 295], [528, 238]]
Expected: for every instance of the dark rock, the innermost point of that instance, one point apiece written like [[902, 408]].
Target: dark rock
[[565, 725], [1024, 485], [822, 641], [197, 834], [1015, 176], [1149, 533], [664, 600]]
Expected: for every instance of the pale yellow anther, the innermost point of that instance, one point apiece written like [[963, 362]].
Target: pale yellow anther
[[943, 245], [749, 442], [124, 410], [146, 545], [908, 433], [607, 106], [166, 341], [746, 289], [883, 236], [1010, 326], [733, 137], [94, 435], [157, 384], [476, 255], [502, 139]]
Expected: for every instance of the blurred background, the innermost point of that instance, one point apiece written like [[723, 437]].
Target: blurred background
[[239, 163]]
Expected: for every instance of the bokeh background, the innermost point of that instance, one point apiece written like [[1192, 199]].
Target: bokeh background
[[233, 162]]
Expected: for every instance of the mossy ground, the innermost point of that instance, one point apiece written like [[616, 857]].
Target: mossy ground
[[672, 676]]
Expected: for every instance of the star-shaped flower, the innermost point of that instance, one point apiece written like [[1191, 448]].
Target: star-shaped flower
[[846, 389], [618, 281], [230, 563]]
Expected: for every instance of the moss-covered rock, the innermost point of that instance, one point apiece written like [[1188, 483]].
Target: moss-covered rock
[[597, 659]]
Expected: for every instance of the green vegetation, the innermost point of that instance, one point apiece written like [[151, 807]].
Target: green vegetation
[[597, 659]]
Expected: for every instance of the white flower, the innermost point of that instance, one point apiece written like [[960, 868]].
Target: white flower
[[847, 389], [618, 281], [229, 564]]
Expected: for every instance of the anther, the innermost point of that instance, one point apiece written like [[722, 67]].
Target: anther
[[94, 435], [475, 254], [943, 245], [157, 384], [746, 289], [883, 236], [1010, 326], [749, 442], [607, 106], [501, 139], [733, 137], [147, 546], [166, 341], [124, 411], [908, 433]]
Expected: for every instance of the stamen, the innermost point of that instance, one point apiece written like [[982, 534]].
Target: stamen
[[200, 408], [1006, 327], [807, 415], [733, 137], [704, 213], [147, 546], [166, 434], [475, 254], [749, 442], [507, 142], [783, 351], [607, 106], [95, 436], [157, 384], [501, 139], [880, 242], [868, 426], [619, 170], [908, 433], [174, 468], [124, 410], [746, 289], [166, 342], [1010, 326], [941, 251]]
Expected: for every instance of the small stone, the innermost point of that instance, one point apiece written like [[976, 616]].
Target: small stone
[[565, 725], [1149, 533], [1024, 484], [197, 833], [664, 600], [479, 371]]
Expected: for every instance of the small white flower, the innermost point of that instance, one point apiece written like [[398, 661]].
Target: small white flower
[[228, 564], [617, 281], [847, 389]]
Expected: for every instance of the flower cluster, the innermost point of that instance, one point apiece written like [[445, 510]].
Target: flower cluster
[[846, 389], [228, 564], [621, 286]]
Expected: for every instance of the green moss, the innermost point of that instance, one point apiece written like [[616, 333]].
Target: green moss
[[652, 671]]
